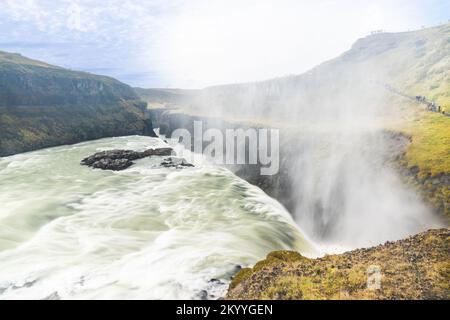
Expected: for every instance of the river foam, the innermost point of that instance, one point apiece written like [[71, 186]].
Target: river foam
[[71, 232]]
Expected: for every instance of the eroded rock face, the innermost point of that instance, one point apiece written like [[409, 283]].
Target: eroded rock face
[[45, 106], [117, 160]]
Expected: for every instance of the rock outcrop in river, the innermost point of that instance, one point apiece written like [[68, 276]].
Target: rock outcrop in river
[[117, 160]]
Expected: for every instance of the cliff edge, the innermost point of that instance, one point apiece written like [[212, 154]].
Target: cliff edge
[[414, 268], [43, 106]]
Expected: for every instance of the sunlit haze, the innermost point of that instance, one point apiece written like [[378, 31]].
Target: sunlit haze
[[193, 44]]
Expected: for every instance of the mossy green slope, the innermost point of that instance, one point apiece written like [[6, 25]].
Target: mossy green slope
[[416, 62], [430, 148], [43, 105], [427, 158]]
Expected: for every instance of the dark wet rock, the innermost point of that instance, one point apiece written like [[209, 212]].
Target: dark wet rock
[[26, 284], [175, 163], [237, 268], [158, 152], [112, 164], [203, 295], [53, 296], [110, 155], [121, 159], [4, 286], [216, 282], [414, 170]]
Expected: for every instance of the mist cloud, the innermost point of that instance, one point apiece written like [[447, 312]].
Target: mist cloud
[[181, 43]]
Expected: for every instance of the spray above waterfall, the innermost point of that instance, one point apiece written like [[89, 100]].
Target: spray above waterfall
[[335, 149]]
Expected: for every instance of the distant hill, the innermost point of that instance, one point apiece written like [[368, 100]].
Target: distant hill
[[415, 63], [43, 105], [162, 95]]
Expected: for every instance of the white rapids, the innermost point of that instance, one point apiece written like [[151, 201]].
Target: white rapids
[[71, 232]]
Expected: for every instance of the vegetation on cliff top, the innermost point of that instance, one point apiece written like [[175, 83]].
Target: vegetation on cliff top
[[430, 147], [427, 158], [25, 81], [415, 62], [414, 268], [43, 105]]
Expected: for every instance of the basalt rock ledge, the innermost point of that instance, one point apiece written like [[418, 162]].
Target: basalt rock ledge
[[117, 160]]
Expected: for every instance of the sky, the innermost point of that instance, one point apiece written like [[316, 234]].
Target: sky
[[199, 43]]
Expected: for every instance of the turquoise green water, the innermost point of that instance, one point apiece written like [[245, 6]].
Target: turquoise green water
[[71, 232]]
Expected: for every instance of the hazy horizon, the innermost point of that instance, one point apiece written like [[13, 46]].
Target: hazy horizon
[[196, 44]]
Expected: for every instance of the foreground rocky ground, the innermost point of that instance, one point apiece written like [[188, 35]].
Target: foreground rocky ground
[[415, 268]]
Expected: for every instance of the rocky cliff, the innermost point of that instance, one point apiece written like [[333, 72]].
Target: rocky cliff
[[43, 105]]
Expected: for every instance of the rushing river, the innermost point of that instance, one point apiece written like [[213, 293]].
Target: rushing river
[[71, 232]]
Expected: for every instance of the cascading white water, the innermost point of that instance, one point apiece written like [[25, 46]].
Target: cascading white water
[[348, 194], [68, 231]]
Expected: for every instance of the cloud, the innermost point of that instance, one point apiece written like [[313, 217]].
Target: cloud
[[27, 10], [197, 43], [83, 34]]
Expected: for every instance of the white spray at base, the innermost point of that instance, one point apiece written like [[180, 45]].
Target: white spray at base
[[350, 195], [71, 232]]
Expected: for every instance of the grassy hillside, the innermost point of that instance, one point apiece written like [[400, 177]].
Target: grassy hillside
[[430, 147], [28, 82], [43, 105], [416, 63]]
